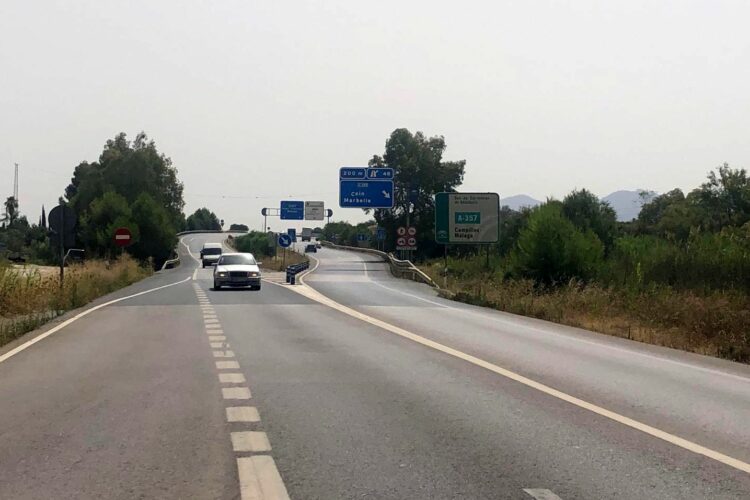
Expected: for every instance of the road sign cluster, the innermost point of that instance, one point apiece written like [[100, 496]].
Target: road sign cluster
[[406, 238], [300, 210], [365, 187]]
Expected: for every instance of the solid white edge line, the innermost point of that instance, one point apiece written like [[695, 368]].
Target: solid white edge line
[[486, 316], [78, 316], [182, 241], [313, 294]]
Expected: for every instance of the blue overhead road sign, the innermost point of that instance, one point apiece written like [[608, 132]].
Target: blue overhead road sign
[[293, 210], [364, 187], [284, 240], [380, 173], [352, 173], [366, 194]]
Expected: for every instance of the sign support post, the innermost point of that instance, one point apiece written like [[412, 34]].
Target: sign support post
[[445, 270], [62, 245]]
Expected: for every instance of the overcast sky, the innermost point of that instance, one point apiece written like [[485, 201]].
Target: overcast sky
[[258, 101]]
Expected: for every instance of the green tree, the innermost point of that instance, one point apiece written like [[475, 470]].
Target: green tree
[[11, 210], [338, 232], [157, 237], [238, 227], [725, 198], [587, 212], [97, 225], [203, 220], [511, 223], [128, 169], [552, 250], [652, 211], [420, 172]]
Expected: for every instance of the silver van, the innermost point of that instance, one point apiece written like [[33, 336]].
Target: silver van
[[210, 254]]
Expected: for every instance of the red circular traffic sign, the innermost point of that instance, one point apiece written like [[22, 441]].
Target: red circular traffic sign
[[412, 230], [122, 237], [412, 242], [401, 242], [401, 231]]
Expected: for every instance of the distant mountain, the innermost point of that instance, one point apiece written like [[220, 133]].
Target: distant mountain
[[518, 201], [627, 204]]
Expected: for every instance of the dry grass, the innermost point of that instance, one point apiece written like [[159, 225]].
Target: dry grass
[[713, 323], [29, 298]]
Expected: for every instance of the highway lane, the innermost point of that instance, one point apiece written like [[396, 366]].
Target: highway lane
[[447, 425], [703, 399], [127, 402]]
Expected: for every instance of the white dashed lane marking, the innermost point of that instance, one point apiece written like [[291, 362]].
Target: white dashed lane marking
[[231, 378], [242, 414], [541, 494], [250, 441], [260, 479], [258, 475], [236, 393], [227, 365]]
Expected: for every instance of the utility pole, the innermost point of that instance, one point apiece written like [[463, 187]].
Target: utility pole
[[15, 186]]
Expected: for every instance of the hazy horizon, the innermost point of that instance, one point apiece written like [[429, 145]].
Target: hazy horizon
[[258, 103]]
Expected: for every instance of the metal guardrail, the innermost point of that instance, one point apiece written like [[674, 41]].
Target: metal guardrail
[[211, 231], [171, 263], [399, 268], [293, 270]]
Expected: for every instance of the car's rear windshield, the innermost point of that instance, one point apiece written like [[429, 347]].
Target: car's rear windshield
[[230, 260], [212, 251]]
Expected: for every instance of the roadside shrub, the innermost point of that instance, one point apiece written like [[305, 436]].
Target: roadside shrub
[[706, 261], [31, 296], [254, 242], [551, 249]]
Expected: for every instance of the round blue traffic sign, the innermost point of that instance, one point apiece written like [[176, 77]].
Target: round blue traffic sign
[[285, 240]]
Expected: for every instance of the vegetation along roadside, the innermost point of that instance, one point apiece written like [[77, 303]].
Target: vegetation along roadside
[[29, 297], [677, 275]]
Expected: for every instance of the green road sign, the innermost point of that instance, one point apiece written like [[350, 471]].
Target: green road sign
[[467, 218]]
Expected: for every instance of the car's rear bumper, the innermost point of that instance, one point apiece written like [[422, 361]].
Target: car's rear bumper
[[235, 281]]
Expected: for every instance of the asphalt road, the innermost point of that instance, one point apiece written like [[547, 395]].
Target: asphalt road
[[356, 398]]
